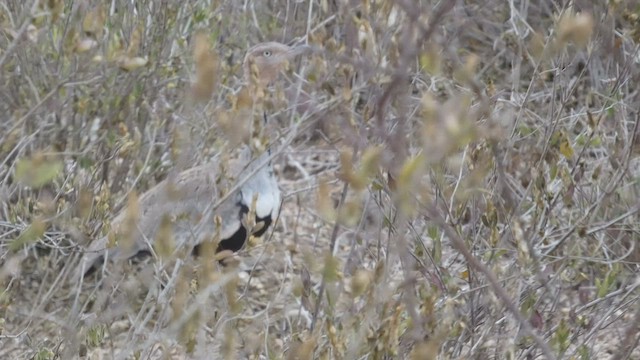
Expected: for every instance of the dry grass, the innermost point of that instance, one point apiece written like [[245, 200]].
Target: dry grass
[[461, 180]]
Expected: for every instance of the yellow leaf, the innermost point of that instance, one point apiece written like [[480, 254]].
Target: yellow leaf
[[464, 275], [409, 170], [350, 213], [370, 160], [330, 271], [565, 147], [346, 94], [360, 282], [431, 62]]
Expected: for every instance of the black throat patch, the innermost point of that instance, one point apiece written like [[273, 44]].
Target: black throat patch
[[238, 239]]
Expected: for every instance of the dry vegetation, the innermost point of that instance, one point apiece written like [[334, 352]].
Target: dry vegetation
[[461, 178]]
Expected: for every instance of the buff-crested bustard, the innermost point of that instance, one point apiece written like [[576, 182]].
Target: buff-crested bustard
[[192, 201]]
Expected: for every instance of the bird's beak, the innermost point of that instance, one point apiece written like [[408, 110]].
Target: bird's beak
[[300, 50]]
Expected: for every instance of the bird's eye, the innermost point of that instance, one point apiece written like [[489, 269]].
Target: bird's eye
[[266, 53]]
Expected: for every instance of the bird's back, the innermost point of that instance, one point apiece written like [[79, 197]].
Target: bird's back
[[191, 201]]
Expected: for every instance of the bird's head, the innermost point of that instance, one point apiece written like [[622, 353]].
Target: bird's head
[[264, 61]]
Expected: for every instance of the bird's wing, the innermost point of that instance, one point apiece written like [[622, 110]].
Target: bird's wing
[[188, 200], [191, 201]]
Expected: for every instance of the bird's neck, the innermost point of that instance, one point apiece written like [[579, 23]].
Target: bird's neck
[[265, 119]]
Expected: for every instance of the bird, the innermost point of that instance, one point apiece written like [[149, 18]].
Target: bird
[[207, 201]]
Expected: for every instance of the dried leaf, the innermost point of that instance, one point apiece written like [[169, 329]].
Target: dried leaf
[[84, 45], [32, 33], [325, 205], [536, 45], [134, 42], [360, 282], [206, 61], [164, 244], [93, 22], [576, 28], [130, 64], [127, 230]]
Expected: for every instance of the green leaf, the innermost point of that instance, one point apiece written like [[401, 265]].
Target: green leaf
[[561, 338], [85, 162], [44, 354], [565, 148], [36, 172], [330, 268], [95, 336], [29, 235]]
